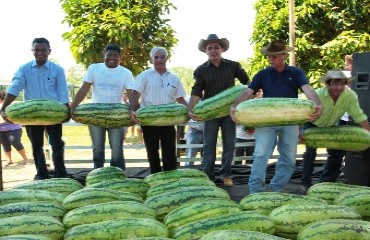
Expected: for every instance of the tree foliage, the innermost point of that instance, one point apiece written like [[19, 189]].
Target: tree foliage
[[326, 31], [135, 25], [186, 76]]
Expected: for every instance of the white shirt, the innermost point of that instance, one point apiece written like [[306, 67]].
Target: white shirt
[[108, 84], [158, 89]]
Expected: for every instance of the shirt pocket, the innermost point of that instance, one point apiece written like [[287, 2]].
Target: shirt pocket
[[51, 83]]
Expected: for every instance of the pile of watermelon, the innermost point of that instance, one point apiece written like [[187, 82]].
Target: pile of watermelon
[[180, 204]]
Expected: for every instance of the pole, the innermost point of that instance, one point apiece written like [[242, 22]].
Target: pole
[[291, 32], [1, 172]]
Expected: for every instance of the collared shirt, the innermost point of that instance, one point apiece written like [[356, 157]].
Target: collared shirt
[[158, 89], [212, 80], [45, 82], [283, 84], [331, 113], [108, 84]]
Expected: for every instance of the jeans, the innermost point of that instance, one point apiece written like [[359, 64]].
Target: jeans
[[166, 135], [193, 136], [286, 140], [115, 137], [331, 168], [209, 148], [36, 136]]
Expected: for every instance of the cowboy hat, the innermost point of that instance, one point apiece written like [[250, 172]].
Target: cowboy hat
[[212, 38], [335, 74], [276, 47]]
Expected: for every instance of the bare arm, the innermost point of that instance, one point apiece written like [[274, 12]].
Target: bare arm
[[81, 94], [9, 98], [365, 124], [311, 95], [247, 94], [193, 100], [134, 103], [181, 100]]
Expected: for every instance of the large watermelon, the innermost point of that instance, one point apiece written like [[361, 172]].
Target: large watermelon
[[262, 112], [107, 115], [349, 138], [37, 112], [163, 115]]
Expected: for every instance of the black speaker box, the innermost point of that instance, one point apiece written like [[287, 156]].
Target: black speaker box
[[361, 79], [357, 168]]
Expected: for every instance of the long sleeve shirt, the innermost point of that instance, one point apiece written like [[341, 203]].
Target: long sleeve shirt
[[347, 102], [212, 80], [45, 82]]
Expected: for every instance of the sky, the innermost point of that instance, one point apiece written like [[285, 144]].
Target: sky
[[23, 20]]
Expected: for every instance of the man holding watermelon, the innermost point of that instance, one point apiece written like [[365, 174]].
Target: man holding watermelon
[[157, 86], [336, 99], [212, 77], [277, 81], [41, 79], [109, 82]]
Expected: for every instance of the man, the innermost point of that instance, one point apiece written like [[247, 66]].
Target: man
[[109, 81], [41, 79], [336, 99], [158, 86], [277, 81], [212, 77]]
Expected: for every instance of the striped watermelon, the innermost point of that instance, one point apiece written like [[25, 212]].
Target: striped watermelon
[[329, 191], [89, 196], [131, 185], [37, 112], [262, 112], [182, 182], [198, 210], [163, 115], [64, 186], [239, 235], [335, 229], [358, 199], [218, 105], [168, 201], [348, 138], [235, 221], [107, 211], [173, 175], [263, 202], [28, 195], [25, 237], [32, 224], [32, 208], [130, 228], [289, 219], [106, 115], [102, 174]]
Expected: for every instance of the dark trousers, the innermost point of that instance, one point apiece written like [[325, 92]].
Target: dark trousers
[[243, 151], [331, 168], [36, 136], [166, 136]]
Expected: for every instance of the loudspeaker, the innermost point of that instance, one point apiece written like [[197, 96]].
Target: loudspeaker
[[361, 79], [357, 168]]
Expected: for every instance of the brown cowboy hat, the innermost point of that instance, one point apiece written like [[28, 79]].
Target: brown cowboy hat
[[276, 47], [212, 38], [336, 74]]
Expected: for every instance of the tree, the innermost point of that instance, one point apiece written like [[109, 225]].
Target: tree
[[135, 25], [186, 76], [326, 31], [75, 74]]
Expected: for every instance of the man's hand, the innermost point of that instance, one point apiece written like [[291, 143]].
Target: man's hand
[[232, 115], [3, 115], [133, 117], [194, 117], [316, 114]]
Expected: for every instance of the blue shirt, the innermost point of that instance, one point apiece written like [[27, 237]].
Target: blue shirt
[[45, 82], [276, 84]]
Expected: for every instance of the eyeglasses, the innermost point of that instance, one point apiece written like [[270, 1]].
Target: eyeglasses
[[338, 83]]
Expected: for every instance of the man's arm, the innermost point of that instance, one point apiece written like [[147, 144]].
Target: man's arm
[[365, 124], [181, 100], [311, 95], [134, 105], [9, 98], [247, 94], [193, 100], [81, 94]]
